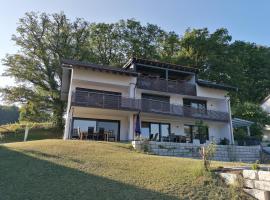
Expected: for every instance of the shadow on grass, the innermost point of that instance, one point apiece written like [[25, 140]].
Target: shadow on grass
[[24, 177]]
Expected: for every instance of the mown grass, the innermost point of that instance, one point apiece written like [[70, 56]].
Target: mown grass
[[56, 169]]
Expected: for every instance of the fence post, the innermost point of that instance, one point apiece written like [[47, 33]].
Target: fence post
[[26, 133]]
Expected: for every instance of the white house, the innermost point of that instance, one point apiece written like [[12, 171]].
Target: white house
[[266, 107], [169, 99]]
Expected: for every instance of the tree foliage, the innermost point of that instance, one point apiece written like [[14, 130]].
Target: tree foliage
[[9, 114], [254, 113], [44, 40]]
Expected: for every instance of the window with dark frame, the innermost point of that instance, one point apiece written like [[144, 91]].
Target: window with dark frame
[[84, 124], [196, 132], [195, 103], [154, 130]]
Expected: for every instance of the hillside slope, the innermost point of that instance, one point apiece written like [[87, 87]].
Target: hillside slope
[[57, 169]]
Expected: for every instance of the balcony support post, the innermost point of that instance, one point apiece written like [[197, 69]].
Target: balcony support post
[[131, 127]]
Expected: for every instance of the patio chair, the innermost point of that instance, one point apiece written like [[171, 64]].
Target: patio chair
[[155, 137], [111, 136], [75, 134], [183, 139], [100, 135], [90, 133], [165, 138]]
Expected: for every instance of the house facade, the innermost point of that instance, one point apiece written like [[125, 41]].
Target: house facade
[[265, 105], [169, 99]]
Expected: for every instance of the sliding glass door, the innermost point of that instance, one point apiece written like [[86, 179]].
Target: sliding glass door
[[196, 132], [98, 125], [155, 131]]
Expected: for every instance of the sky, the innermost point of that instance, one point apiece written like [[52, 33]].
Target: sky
[[246, 20]]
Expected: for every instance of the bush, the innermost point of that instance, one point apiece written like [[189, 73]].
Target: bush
[[207, 153], [224, 141], [255, 166]]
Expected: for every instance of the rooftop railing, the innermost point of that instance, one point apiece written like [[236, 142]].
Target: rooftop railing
[[116, 102], [163, 85]]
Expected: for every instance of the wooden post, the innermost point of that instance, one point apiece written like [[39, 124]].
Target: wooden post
[[26, 133]]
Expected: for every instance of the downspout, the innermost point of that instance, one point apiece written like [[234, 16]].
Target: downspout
[[230, 118]]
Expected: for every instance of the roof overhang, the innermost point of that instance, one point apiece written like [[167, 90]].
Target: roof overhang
[[96, 67], [237, 123], [210, 84], [159, 64]]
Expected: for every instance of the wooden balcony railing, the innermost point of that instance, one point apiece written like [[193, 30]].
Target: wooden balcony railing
[[108, 101], [162, 85]]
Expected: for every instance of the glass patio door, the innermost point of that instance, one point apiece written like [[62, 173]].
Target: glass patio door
[[155, 131]]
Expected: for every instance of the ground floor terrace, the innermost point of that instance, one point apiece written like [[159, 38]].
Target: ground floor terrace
[[118, 125]]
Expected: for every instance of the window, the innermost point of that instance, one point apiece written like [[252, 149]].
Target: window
[[194, 103], [145, 129], [97, 124], [196, 132], [155, 131]]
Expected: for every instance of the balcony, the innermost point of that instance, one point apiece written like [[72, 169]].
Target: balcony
[[107, 101], [163, 85]]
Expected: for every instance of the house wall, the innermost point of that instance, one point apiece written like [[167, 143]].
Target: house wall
[[266, 132], [210, 92], [266, 106], [217, 130], [125, 85], [101, 77]]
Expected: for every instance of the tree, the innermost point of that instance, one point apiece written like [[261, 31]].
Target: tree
[[9, 114], [250, 69], [254, 113], [44, 40], [105, 44], [140, 41]]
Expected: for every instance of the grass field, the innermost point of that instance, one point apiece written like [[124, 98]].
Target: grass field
[[57, 169]]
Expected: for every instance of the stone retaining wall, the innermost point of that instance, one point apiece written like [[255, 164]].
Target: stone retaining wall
[[223, 152], [255, 183]]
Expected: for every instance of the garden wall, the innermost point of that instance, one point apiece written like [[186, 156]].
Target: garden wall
[[223, 152]]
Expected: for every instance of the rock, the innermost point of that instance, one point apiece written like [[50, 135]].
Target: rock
[[262, 185], [249, 183], [264, 175], [259, 194], [250, 174], [229, 178]]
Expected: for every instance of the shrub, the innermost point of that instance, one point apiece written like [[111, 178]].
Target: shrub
[[255, 166], [224, 141], [207, 153]]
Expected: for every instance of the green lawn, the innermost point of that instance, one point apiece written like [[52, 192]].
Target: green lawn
[[57, 169]]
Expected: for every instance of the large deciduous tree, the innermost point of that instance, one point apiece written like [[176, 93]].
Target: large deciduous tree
[[43, 40]]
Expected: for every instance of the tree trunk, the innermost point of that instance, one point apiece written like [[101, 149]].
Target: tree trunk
[[58, 112]]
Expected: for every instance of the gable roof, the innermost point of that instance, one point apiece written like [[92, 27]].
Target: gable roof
[[159, 64], [96, 67], [215, 85]]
